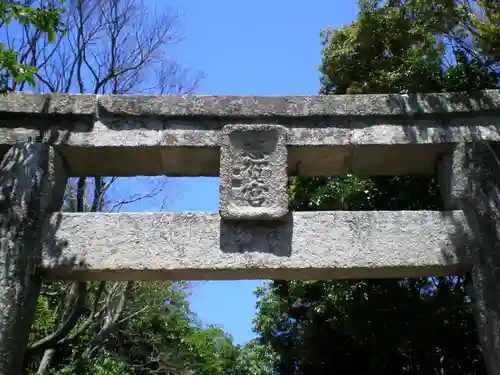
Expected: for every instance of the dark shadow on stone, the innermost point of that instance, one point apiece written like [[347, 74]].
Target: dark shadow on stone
[[479, 200], [446, 108], [51, 129], [245, 236], [53, 248], [46, 120], [41, 238], [461, 239], [477, 194]]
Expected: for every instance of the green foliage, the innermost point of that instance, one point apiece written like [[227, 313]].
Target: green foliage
[[421, 326], [369, 327], [108, 364], [404, 46], [170, 337], [157, 333], [255, 359], [360, 193], [46, 20]]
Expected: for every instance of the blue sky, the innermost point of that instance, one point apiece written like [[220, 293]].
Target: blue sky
[[244, 48]]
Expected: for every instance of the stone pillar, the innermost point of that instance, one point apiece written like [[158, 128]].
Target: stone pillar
[[32, 184], [470, 180]]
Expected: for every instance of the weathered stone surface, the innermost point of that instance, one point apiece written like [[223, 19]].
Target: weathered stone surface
[[470, 180], [255, 106], [42, 104], [381, 147], [253, 172], [32, 183], [296, 106], [308, 245], [181, 135]]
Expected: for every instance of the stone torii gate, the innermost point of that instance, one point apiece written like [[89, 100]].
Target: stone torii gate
[[253, 143]]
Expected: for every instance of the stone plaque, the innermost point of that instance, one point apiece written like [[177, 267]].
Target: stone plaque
[[253, 172]]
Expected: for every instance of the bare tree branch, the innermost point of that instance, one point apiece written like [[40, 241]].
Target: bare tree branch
[[110, 322]]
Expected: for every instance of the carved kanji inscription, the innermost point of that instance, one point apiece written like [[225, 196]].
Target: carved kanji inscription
[[253, 172]]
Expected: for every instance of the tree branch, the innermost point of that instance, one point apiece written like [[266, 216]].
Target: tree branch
[[66, 327]]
